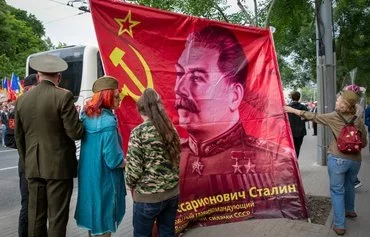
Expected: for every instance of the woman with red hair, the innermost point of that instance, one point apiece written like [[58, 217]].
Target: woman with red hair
[[101, 185]]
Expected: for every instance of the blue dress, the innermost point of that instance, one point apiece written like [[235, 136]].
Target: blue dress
[[101, 184]]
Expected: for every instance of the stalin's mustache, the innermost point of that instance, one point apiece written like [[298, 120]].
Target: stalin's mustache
[[187, 104]]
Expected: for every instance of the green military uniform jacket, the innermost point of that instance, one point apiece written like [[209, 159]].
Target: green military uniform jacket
[[46, 126]]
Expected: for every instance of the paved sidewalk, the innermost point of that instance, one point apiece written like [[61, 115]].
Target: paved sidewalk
[[315, 181]]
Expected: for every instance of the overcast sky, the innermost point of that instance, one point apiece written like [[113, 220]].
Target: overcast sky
[[62, 23], [67, 24]]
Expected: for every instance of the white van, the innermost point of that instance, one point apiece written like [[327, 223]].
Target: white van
[[84, 67]]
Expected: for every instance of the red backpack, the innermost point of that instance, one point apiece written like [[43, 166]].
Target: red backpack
[[349, 140]]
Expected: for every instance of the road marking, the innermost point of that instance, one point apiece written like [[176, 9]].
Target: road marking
[[7, 150], [9, 168]]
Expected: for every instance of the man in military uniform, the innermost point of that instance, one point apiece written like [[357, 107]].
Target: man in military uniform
[[219, 157], [46, 125]]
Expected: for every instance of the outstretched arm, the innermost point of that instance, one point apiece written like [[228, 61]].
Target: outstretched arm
[[317, 118], [289, 109]]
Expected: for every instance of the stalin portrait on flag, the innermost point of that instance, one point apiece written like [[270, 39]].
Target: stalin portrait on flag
[[220, 85]]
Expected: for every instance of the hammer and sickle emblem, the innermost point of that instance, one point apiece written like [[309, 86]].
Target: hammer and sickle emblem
[[116, 57]]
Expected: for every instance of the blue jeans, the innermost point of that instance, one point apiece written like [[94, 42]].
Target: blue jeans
[[342, 174], [163, 212]]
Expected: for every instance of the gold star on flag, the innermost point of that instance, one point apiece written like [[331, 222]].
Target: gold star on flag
[[126, 24]]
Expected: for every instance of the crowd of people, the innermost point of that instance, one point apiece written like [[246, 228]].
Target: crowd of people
[[44, 123], [6, 111]]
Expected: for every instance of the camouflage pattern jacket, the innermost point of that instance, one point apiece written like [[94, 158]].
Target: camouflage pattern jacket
[[148, 170]]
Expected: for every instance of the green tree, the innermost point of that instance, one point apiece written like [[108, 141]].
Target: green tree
[[352, 24], [30, 20], [308, 94], [21, 35], [212, 9], [294, 40]]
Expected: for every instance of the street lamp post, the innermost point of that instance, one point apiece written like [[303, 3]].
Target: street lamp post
[[325, 72]]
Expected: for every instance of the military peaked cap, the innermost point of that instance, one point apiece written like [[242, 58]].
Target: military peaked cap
[[48, 64]]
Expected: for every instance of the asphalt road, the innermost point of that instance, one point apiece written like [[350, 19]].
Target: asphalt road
[[10, 201], [9, 181]]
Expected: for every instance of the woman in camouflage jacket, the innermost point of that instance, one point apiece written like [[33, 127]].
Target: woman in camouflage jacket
[[152, 168]]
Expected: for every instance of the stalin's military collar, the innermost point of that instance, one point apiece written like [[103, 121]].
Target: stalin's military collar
[[234, 138], [231, 138]]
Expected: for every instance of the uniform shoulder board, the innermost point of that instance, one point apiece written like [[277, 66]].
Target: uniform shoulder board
[[61, 88], [269, 146]]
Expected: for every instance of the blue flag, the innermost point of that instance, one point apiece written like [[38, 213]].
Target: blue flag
[[4, 84], [14, 83]]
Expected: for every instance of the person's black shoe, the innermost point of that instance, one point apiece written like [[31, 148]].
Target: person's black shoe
[[351, 214]]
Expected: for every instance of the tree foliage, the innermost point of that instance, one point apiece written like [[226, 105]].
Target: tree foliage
[[211, 9], [295, 36], [308, 94], [21, 35], [352, 22], [295, 40]]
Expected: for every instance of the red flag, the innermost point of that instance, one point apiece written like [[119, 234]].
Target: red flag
[[221, 86], [12, 95]]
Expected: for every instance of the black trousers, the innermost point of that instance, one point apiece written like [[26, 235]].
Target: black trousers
[[23, 215], [297, 144], [48, 200], [314, 126]]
